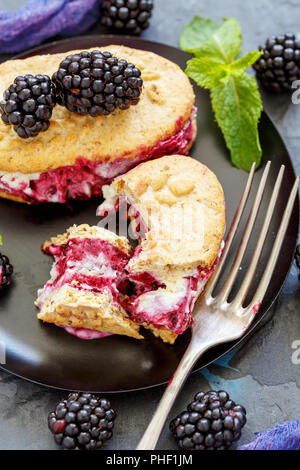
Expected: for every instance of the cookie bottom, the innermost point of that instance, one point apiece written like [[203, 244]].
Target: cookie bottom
[[5, 195]]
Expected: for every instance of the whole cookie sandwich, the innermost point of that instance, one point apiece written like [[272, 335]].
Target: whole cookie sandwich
[[72, 122]]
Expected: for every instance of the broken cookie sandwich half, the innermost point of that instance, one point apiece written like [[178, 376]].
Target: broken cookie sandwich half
[[83, 292], [177, 209], [100, 283]]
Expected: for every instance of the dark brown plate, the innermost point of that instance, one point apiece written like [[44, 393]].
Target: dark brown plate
[[47, 354]]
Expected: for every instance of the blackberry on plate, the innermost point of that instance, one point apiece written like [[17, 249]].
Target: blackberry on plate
[[211, 422], [6, 271], [82, 421], [96, 83], [27, 104], [279, 66], [131, 16]]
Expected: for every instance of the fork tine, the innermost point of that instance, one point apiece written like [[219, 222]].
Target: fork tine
[[241, 295], [231, 233], [225, 291], [264, 283]]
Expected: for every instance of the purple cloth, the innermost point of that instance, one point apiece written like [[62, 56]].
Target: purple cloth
[[284, 436], [42, 19]]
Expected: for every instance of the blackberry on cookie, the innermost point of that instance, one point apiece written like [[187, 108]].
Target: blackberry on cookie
[[97, 83], [27, 104]]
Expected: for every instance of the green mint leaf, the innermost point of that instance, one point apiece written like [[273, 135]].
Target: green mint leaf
[[196, 32], [237, 106], [235, 97], [207, 73], [241, 65], [0, 240], [224, 44]]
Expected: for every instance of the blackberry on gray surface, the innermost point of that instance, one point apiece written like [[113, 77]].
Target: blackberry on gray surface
[[130, 16], [82, 421], [211, 422], [6, 271], [27, 104], [279, 66], [96, 83]]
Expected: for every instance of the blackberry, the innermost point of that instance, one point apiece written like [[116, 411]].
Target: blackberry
[[131, 16], [28, 104], [279, 66], [6, 270], [212, 422], [97, 83], [82, 421]]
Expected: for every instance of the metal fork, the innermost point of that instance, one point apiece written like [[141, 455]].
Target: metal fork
[[215, 320]]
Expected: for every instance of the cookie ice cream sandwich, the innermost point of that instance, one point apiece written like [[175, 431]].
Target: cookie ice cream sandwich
[[78, 154]]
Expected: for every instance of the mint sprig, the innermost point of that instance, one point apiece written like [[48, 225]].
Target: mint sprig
[[235, 96]]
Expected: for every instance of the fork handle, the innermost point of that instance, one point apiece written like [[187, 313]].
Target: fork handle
[[153, 431]]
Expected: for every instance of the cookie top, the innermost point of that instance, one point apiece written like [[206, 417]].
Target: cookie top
[[165, 105], [181, 202]]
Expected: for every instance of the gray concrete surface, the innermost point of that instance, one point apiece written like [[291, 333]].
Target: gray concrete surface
[[262, 375]]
